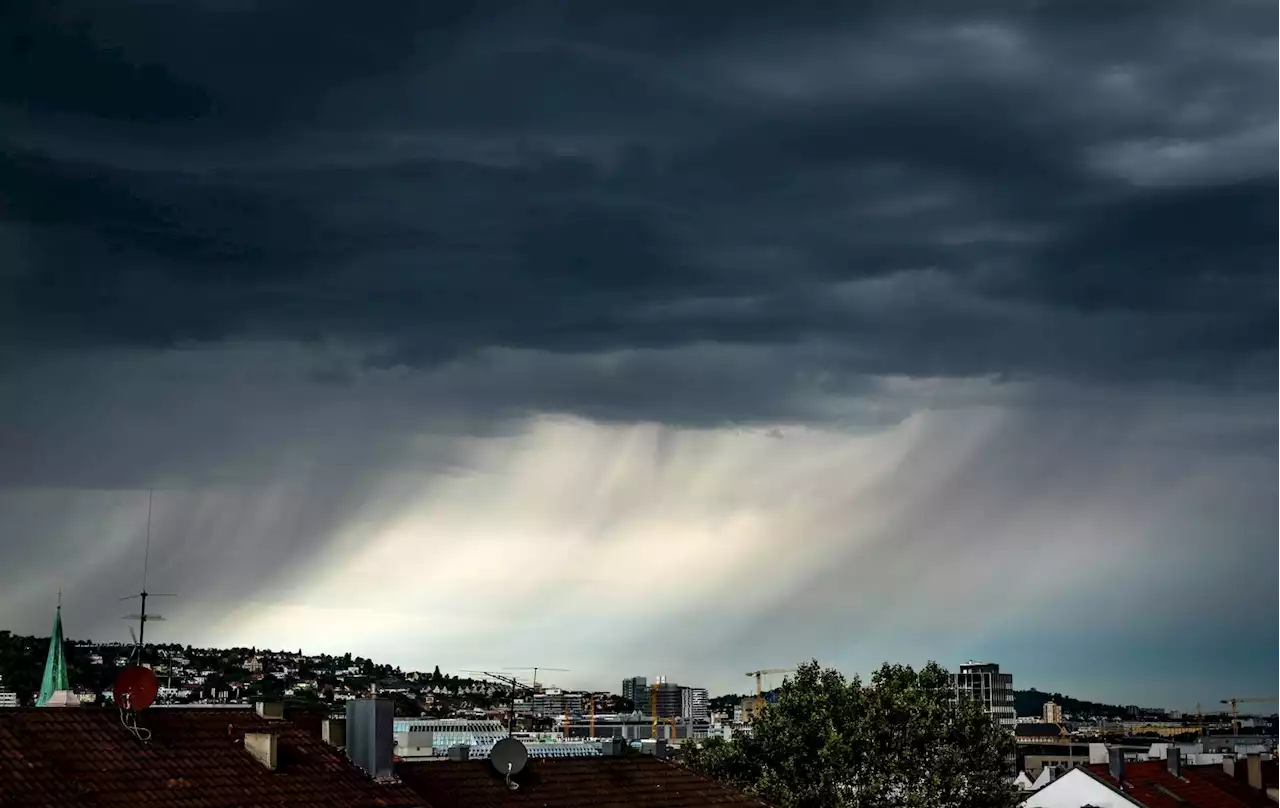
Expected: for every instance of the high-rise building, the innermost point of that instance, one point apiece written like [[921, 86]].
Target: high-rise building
[[984, 683], [695, 705], [636, 690], [668, 699], [1052, 713], [665, 695]]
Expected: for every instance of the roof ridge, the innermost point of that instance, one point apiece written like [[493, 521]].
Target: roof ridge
[[1119, 790]]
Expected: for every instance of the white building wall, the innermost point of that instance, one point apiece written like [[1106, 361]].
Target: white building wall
[[695, 704]]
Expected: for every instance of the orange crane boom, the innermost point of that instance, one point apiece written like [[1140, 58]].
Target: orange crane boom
[[759, 685], [1237, 700], [653, 710]]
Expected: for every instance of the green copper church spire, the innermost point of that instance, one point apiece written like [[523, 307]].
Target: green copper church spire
[[55, 667]]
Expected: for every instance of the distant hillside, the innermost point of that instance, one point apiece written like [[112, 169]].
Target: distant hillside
[[1031, 702]]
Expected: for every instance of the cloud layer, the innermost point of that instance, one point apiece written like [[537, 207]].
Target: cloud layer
[[644, 327]]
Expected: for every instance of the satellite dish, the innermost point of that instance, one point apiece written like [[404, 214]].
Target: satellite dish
[[508, 756], [135, 688]]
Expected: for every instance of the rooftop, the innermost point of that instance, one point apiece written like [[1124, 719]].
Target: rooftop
[[601, 782], [1038, 730], [69, 757], [1152, 785]]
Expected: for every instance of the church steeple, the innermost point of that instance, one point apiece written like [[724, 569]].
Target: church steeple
[[55, 666]]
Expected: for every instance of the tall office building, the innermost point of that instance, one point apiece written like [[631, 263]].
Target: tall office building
[[668, 699], [636, 689], [695, 705], [984, 683]]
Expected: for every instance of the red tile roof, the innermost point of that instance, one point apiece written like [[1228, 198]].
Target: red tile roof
[[639, 781], [70, 757], [1151, 784]]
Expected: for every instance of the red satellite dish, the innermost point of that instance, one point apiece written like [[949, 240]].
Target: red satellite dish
[[135, 688]]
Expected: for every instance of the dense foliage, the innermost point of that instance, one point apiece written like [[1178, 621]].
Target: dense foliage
[[726, 703], [899, 741]]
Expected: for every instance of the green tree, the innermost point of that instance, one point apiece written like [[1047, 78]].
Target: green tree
[[900, 741], [406, 706], [621, 704]]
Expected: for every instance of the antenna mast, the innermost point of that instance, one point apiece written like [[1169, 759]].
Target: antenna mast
[[141, 616], [513, 683]]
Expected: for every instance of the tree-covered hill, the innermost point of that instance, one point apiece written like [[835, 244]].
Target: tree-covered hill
[[1031, 702]]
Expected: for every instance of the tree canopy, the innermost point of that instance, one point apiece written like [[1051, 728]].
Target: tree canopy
[[901, 740]]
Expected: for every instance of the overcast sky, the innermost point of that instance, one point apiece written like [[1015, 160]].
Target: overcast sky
[[636, 339]]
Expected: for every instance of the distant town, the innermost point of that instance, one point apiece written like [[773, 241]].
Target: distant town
[[1046, 746], [640, 708]]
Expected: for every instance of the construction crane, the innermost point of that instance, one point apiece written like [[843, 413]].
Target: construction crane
[[653, 710], [1237, 700], [760, 687]]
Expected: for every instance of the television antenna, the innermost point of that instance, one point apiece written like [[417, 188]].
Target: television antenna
[[513, 683], [564, 701], [535, 670], [141, 615]]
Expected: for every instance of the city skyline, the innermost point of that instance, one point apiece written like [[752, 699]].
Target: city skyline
[[566, 682], [486, 336]]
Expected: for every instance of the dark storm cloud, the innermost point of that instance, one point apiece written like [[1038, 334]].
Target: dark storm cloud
[[938, 191], [966, 287], [229, 63]]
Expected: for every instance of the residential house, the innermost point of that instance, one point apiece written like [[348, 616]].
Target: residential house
[[1039, 733], [1160, 784]]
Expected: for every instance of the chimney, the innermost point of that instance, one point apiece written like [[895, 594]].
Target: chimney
[[1115, 765], [460, 752], [1174, 761], [371, 735], [264, 746], [1253, 765], [270, 710], [334, 731]]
